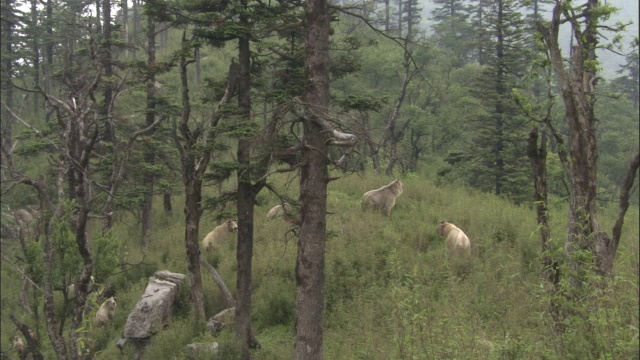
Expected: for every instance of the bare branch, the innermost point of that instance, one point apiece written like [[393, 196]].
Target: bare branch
[[625, 192]]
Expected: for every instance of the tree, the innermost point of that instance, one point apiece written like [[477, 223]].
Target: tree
[[313, 187], [628, 82], [150, 118], [194, 162], [497, 155], [453, 31], [246, 196], [393, 134], [9, 21], [577, 85]]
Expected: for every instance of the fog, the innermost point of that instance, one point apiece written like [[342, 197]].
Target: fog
[[627, 13]]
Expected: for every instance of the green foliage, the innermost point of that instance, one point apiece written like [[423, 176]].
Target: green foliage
[[68, 260], [108, 253]]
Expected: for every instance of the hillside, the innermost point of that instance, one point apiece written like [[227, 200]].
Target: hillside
[[391, 291]]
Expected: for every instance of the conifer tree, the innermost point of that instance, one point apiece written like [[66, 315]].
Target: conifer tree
[[498, 156]]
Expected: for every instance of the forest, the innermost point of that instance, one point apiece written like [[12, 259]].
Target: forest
[[131, 129]]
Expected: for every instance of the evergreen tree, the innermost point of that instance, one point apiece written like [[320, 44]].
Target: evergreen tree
[[452, 31], [628, 82], [498, 157]]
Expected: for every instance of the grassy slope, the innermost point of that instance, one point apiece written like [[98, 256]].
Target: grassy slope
[[391, 291]]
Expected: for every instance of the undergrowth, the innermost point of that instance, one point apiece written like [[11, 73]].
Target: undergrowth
[[391, 291]]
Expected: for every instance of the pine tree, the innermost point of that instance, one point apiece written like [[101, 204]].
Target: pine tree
[[498, 154], [453, 32]]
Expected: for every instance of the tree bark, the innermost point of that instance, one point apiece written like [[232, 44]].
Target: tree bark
[[193, 195], [538, 157], [35, 47], [194, 163], [577, 85], [7, 87], [245, 202], [392, 134], [310, 263], [57, 341]]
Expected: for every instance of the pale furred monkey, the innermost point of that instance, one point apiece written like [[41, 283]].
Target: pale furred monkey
[[219, 234], [457, 241], [383, 198], [18, 345], [278, 210], [104, 315]]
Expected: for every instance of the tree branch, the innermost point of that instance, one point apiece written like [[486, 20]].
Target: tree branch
[[624, 201]]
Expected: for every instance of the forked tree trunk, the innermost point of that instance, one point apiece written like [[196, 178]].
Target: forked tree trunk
[[192, 179], [577, 85]]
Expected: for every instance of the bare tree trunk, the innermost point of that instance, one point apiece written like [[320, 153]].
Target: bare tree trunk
[[166, 202], [310, 263], [48, 88], [197, 76], [194, 162], [36, 55], [8, 119], [106, 110], [193, 194], [577, 85], [124, 7], [193, 213], [230, 302], [392, 134], [137, 20], [538, 157]]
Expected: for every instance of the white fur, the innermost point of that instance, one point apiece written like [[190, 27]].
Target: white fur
[[278, 210], [18, 345], [383, 198], [457, 241], [219, 234], [104, 315]]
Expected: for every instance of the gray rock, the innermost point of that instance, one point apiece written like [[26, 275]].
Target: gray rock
[[153, 310]]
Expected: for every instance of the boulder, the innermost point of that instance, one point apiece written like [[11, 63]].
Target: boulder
[[153, 310]]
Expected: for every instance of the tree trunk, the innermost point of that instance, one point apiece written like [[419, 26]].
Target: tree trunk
[[310, 263], [36, 54], [192, 213], [106, 108], [538, 157], [577, 85], [48, 88], [124, 7], [166, 202], [57, 341], [192, 179], [392, 134], [245, 201], [137, 20], [498, 146], [7, 74], [149, 156]]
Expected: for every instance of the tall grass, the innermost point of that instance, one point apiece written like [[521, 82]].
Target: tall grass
[[391, 290]]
